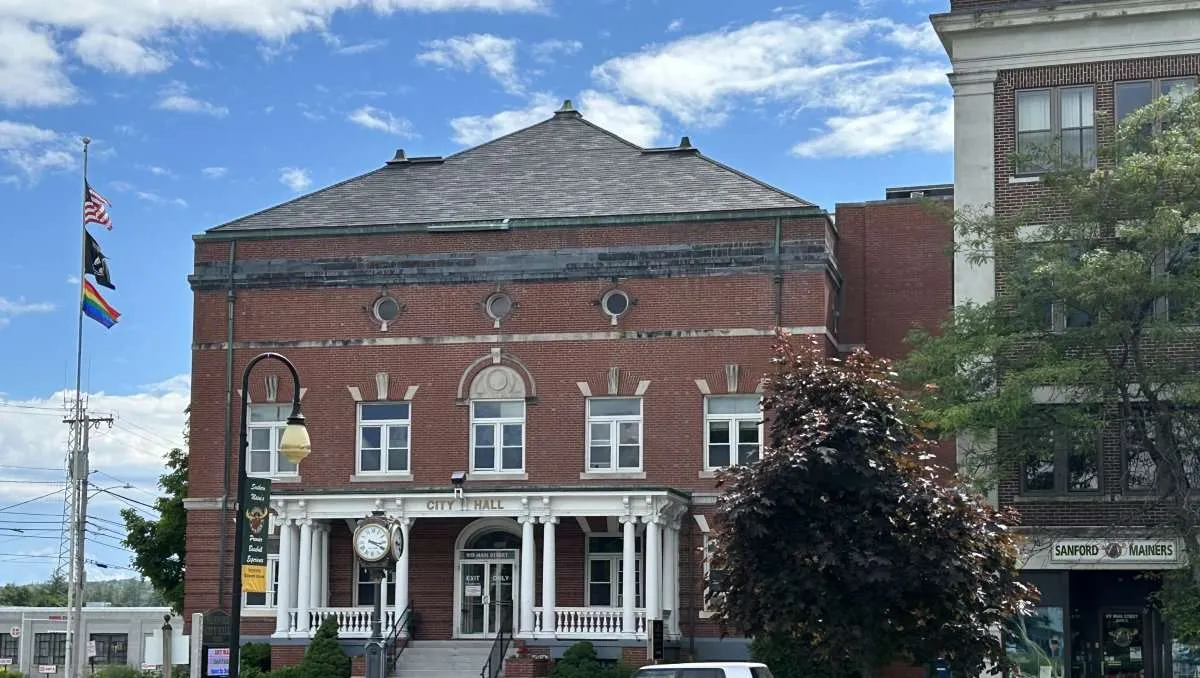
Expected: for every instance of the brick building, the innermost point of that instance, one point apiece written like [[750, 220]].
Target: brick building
[[1025, 72], [577, 323]]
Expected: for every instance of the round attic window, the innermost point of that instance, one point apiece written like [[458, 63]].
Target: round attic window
[[615, 302], [499, 305], [386, 309]]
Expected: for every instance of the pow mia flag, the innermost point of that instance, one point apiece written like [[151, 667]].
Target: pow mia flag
[[95, 263]]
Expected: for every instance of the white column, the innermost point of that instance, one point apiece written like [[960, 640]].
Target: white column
[[671, 574], [402, 570], [303, 601], [528, 554], [549, 621], [283, 603], [653, 568], [323, 597], [315, 571], [628, 574]]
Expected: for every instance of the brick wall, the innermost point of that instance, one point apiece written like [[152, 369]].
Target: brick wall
[[1014, 197]]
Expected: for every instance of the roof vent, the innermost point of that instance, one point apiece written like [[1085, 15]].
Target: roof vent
[[685, 143], [567, 110], [398, 158]]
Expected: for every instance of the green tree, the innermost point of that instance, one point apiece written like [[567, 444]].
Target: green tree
[[52, 593], [160, 545], [845, 537], [325, 657], [1091, 333]]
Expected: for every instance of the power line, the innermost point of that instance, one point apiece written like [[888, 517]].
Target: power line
[[30, 501]]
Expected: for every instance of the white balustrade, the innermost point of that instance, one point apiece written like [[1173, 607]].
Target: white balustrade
[[585, 622], [352, 621]]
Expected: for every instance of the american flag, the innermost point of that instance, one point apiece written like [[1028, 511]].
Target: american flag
[[94, 208]]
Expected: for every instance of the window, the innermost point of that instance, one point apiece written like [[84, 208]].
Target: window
[[111, 648], [265, 429], [615, 303], [364, 587], [1044, 115], [605, 569], [614, 434], [266, 599], [1187, 259], [1061, 460], [1141, 469], [733, 430], [50, 648], [383, 437], [497, 435], [1059, 315], [1132, 96], [9, 646]]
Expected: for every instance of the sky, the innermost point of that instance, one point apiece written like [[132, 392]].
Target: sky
[[201, 111]]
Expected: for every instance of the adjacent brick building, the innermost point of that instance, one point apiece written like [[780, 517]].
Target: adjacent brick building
[[1025, 72], [577, 323]]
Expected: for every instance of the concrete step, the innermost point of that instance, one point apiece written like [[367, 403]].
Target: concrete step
[[442, 659]]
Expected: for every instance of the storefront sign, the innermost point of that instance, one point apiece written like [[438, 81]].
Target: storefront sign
[[216, 628], [488, 554], [218, 661], [1115, 550], [452, 505], [255, 517]]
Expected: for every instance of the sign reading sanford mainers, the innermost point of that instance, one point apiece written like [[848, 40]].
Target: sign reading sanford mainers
[[1115, 550], [254, 521]]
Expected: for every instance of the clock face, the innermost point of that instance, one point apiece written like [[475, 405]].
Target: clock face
[[371, 542]]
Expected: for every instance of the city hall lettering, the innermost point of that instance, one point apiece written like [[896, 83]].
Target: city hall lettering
[[451, 505]]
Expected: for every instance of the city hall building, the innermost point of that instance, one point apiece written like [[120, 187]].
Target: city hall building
[[534, 355]]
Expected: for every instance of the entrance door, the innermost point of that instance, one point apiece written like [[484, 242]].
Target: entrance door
[[486, 594]]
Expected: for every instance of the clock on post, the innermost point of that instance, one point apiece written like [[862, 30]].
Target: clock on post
[[373, 542]]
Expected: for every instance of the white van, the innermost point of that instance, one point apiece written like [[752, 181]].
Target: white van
[[706, 670]]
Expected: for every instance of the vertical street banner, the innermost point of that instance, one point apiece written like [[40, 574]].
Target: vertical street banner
[[254, 521]]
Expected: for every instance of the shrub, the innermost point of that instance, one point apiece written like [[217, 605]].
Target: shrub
[[325, 657], [120, 671], [286, 672], [256, 655], [580, 661]]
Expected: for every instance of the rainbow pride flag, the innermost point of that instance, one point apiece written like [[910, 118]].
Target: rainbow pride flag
[[96, 308]]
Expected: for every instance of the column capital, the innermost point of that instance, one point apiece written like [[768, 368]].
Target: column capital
[[405, 522], [526, 519], [654, 519], [628, 519], [549, 520], [305, 522]]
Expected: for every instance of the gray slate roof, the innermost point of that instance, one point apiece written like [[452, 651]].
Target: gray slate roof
[[562, 167]]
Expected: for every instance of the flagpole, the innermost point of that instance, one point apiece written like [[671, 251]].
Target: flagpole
[[77, 463]]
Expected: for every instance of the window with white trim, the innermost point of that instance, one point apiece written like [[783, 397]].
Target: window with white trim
[[364, 587], [265, 429], [384, 437], [497, 436], [732, 430], [605, 571], [250, 599], [614, 438]]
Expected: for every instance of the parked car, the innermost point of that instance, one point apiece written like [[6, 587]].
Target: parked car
[[706, 670]]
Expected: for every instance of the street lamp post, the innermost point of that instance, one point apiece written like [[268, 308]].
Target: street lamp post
[[295, 445]]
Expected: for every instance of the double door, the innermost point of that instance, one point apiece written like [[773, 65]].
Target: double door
[[486, 595]]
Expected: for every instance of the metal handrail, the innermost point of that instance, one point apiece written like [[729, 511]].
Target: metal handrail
[[395, 643], [495, 661]]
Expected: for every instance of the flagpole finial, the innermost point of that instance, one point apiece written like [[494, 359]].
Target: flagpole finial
[[86, 140]]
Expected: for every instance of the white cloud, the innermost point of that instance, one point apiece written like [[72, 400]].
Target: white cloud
[[472, 130], [360, 47], [295, 178], [826, 64], [636, 123], [376, 119], [175, 97], [157, 199], [926, 126], [31, 68], [33, 150], [160, 171], [496, 55], [675, 25], [119, 54], [146, 425], [639, 124], [10, 309], [214, 172], [546, 50], [916, 37]]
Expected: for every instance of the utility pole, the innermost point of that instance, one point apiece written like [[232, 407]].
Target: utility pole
[[82, 425]]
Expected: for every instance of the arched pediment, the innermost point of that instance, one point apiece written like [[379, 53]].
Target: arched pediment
[[496, 375]]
